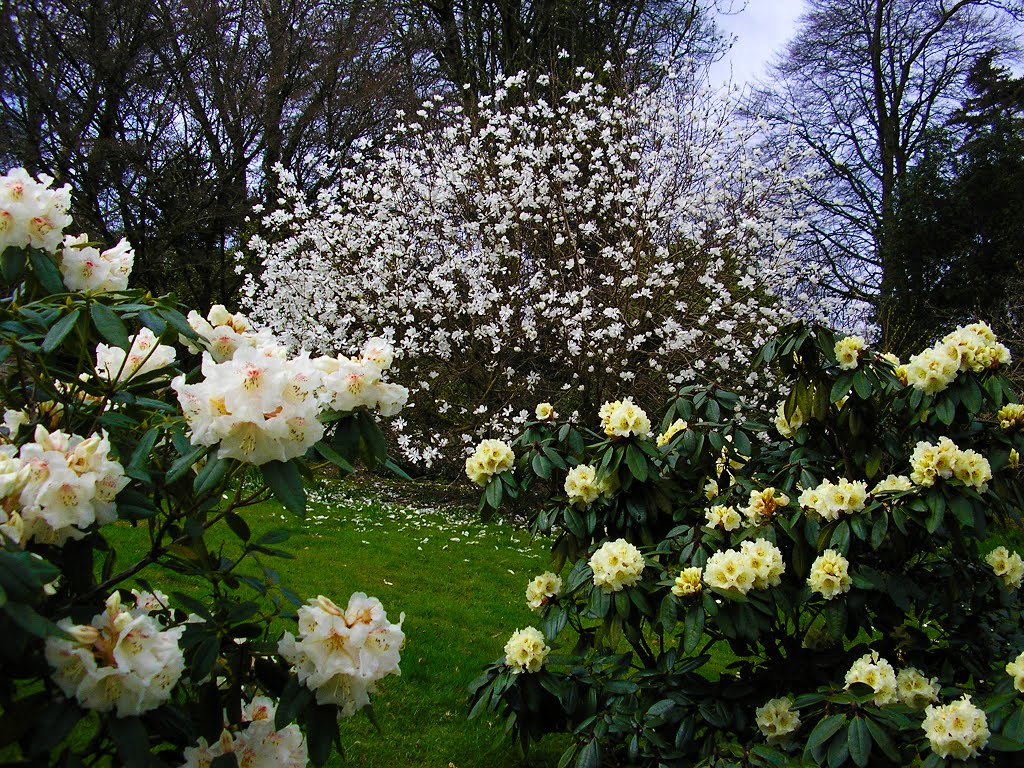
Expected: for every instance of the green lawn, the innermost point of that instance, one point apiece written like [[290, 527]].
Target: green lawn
[[461, 585]]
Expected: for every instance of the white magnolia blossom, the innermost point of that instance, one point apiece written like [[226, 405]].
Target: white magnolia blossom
[[144, 356], [605, 239], [56, 486], [31, 213], [258, 744], [341, 654], [124, 660], [85, 268]]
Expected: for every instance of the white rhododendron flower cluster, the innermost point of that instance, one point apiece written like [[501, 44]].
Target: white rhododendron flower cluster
[[945, 460], [830, 574], [776, 719], [1008, 566], [544, 246], [876, 673], [542, 589], [848, 351], [258, 406], [581, 485], [762, 506], [32, 215], [144, 356], [958, 730], [262, 405], [914, 689], [526, 650], [755, 565], [830, 500], [224, 332], [1015, 669], [258, 745], [623, 418], [674, 429], [124, 660], [53, 488], [341, 654], [491, 457], [616, 564], [85, 268], [688, 582], [970, 348]]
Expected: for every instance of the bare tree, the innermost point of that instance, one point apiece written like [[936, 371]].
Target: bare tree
[[474, 43], [861, 87], [168, 116]]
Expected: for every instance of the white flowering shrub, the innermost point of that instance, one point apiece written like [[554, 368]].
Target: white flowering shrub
[[541, 252], [824, 594], [121, 410]]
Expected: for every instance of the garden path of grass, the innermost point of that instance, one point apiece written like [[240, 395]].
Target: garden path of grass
[[462, 587]]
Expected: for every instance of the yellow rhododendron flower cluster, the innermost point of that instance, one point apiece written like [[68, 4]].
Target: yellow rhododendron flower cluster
[[1015, 669], [776, 719], [581, 485], [543, 589], [788, 427], [930, 462], [526, 650], [914, 689], [1011, 416], [545, 412], [973, 348], [763, 505], [616, 564], [830, 574], [830, 500], [848, 351], [1007, 566], [721, 516], [688, 582], [755, 565], [491, 457], [674, 429], [622, 418], [893, 484], [876, 673], [958, 730]]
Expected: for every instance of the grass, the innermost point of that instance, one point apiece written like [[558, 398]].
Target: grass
[[460, 583]]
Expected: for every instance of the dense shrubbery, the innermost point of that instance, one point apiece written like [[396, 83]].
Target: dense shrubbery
[[542, 251], [727, 597], [97, 433]]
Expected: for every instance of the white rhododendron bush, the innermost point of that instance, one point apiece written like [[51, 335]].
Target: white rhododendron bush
[[537, 251], [122, 410], [839, 584]]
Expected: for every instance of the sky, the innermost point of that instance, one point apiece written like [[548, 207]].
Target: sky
[[761, 29]]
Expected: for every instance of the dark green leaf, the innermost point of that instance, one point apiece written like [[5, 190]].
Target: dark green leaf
[[129, 736], [590, 755], [858, 740], [13, 265], [334, 457], [637, 463], [60, 330], [184, 463], [45, 268], [824, 731], [284, 480], [109, 325], [211, 475], [693, 627]]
